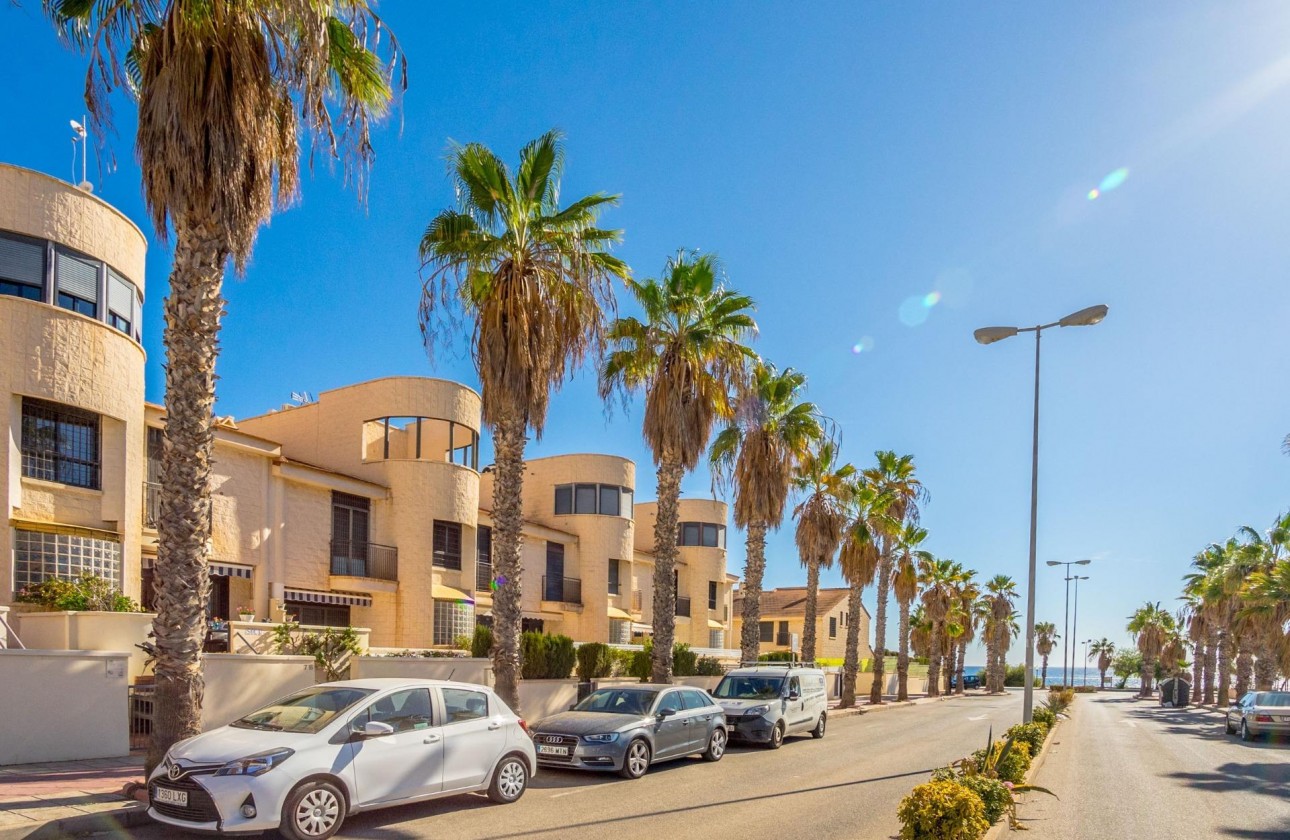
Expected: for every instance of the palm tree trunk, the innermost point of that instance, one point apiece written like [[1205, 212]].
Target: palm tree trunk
[[1226, 650], [670, 472], [958, 674], [1265, 666], [1043, 671], [851, 660], [1147, 675], [1244, 667], [880, 628], [934, 661], [951, 664], [1198, 670], [902, 655], [508, 519], [812, 601], [754, 569], [989, 659], [1211, 655], [192, 313]]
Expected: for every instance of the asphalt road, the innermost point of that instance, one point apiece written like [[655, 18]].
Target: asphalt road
[[1130, 768], [844, 786]]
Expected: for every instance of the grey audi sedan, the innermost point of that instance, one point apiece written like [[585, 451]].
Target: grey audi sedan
[[628, 728]]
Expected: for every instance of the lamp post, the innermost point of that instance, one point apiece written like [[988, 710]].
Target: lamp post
[[1087, 642], [1066, 638], [988, 335], [1075, 624]]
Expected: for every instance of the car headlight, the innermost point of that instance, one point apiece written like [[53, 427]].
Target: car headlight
[[255, 765], [606, 738], [756, 710]]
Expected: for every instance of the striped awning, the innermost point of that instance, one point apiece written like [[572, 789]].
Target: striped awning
[[442, 592], [334, 599], [236, 570]]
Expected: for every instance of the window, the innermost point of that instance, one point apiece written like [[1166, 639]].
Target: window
[[694, 699], [833, 627], [483, 557], [620, 631], [77, 281], [447, 544], [767, 629], [123, 304], [22, 267], [452, 621], [603, 499], [461, 704], [613, 577], [319, 615], [712, 594], [38, 556], [553, 582], [717, 639], [350, 520], [60, 443], [406, 711], [707, 534], [564, 499], [671, 700]]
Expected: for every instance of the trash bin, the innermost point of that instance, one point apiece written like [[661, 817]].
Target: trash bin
[[1175, 691]]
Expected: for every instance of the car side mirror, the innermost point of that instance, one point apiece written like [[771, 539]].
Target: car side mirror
[[793, 695], [376, 729], [666, 713]]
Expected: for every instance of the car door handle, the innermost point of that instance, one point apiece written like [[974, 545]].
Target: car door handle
[[492, 727], [431, 739]]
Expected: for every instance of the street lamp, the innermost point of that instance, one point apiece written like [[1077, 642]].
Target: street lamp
[[1067, 637], [1087, 642], [1075, 623], [989, 335]]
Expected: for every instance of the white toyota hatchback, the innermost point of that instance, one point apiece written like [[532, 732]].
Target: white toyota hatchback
[[304, 763]]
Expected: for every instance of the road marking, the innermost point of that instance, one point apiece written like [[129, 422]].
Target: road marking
[[979, 717], [569, 792], [1129, 723]]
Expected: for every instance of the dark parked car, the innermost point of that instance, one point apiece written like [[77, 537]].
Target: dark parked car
[[629, 728], [969, 681]]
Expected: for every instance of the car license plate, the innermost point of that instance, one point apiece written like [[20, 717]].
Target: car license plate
[[172, 797], [543, 749]]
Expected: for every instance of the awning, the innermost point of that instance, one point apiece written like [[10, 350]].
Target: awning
[[334, 599], [715, 625], [637, 627], [621, 615], [236, 570], [447, 593]]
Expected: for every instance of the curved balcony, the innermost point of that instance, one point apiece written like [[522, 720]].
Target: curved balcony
[[420, 439]]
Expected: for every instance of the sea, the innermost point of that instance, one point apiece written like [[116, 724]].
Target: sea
[[1079, 676]]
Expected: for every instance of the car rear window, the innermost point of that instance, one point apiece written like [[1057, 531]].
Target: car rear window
[[1272, 698]]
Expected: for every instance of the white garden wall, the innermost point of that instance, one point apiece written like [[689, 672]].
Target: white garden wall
[[88, 630], [62, 705], [464, 669], [542, 698], [238, 684]]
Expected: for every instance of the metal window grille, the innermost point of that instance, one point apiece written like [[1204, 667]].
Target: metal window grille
[[60, 443], [447, 544], [38, 556]]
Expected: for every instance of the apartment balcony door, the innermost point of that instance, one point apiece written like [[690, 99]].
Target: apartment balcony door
[[350, 526]]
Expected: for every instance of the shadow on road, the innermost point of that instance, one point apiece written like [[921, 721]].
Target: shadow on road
[[1204, 724], [384, 824]]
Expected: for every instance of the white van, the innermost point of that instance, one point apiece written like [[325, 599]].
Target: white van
[[768, 701]]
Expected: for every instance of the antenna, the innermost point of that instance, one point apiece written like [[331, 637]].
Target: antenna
[[78, 129]]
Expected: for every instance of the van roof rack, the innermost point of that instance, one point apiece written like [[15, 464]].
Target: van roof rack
[[778, 663]]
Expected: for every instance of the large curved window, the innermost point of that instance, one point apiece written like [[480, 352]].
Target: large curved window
[[420, 439], [602, 499], [706, 534]]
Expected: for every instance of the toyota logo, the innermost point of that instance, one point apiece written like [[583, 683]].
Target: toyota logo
[[175, 772]]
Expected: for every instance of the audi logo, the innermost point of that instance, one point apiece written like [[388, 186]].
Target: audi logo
[[553, 739]]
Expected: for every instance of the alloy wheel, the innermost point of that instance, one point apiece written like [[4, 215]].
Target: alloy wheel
[[717, 747], [317, 812], [638, 758]]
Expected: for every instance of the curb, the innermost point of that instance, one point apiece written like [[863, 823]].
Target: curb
[[127, 816], [894, 704], [1001, 828]]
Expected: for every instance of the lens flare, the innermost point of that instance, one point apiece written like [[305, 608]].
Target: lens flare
[[1110, 182], [931, 299], [1093, 194], [864, 345], [913, 312]]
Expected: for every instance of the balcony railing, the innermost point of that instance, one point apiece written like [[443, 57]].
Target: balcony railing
[[151, 504], [364, 559], [637, 600], [683, 607], [565, 590], [483, 575]]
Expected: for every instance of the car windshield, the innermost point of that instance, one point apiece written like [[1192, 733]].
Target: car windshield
[[749, 688], [1272, 698], [305, 711], [618, 701]]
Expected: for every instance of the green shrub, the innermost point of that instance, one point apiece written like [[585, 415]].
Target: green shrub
[[462, 642], [942, 811], [1015, 676], [561, 656], [621, 662], [1045, 716], [708, 666], [945, 774], [684, 660], [481, 644], [1010, 766], [533, 646], [331, 649], [994, 795], [1032, 734], [86, 592], [777, 656], [594, 661], [641, 667]]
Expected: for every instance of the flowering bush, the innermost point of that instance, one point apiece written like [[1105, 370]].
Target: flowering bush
[[1032, 734], [1007, 761], [87, 592], [995, 796], [1045, 716], [942, 810]]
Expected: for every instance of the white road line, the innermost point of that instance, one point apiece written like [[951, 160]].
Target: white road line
[[1129, 723], [979, 717], [569, 792]]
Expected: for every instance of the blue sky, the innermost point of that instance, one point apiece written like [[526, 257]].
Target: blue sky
[[842, 159]]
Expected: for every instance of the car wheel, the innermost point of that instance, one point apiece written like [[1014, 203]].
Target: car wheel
[[510, 780], [635, 760], [1227, 726], [818, 731], [716, 745], [1246, 735], [313, 811], [776, 737]]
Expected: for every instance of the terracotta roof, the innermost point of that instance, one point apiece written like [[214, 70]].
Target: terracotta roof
[[791, 600]]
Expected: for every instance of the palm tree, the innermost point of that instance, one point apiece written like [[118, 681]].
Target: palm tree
[[999, 611], [858, 558], [1207, 588], [224, 92], [1264, 622], [687, 353], [920, 634], [769, 434], [967, 597], [939, 578], [1104, 650], [898, 494], [1046, 637], [821, 520], [533, 280], [906, 557], [1150, 626]]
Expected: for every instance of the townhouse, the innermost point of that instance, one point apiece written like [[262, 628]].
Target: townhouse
[[783, 621]]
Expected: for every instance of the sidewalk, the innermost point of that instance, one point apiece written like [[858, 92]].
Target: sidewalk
[[51, 800], [889, 701]]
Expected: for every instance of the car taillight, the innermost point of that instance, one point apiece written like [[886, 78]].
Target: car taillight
[[524, 725], [1263, 718]]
